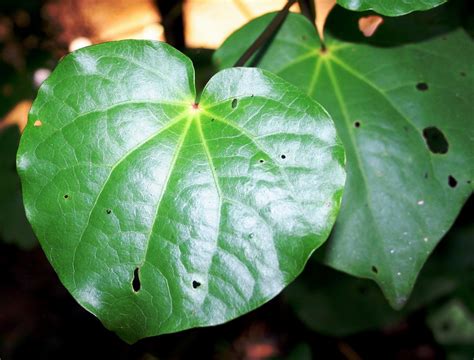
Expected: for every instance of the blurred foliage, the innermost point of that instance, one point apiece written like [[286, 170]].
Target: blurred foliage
[[24, 48], [453, 327], [453, 324], [14, 87], [14, 227], [300, 352]]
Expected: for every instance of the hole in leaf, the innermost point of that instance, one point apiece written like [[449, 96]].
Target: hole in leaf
[[452, 181], [136, 280], [37, 123], [283, 156], [261, 161], [234, 103], [422, 86], [435, 139], [66, 196], [357, 124], [108, 211], [374, 269], [196, 284]]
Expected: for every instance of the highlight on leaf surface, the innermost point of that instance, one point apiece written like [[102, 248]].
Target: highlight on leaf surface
[[160, 214]]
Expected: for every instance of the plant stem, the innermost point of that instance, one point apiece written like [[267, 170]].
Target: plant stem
[[172, 15], [307, 9], [266, 34]]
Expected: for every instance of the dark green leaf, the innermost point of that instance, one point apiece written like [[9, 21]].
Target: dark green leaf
[[404, 115], [159, 215], [14, 227], [390, 7]]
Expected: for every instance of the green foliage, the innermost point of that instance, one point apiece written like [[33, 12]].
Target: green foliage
[[159, 215], [320, 295], [390, 7], [452, 325], [14, 228], [403, 111]]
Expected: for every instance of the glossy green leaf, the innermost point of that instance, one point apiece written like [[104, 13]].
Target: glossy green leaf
[[404, 114], [14, 228], [160, 215], [390, 7]]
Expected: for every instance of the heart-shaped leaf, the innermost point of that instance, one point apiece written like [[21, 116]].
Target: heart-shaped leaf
[[404, 114], [159, 214], [390, 7]]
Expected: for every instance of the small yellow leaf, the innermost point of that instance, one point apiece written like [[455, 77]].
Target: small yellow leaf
[[323, 8], [369, 24], [17, 116]]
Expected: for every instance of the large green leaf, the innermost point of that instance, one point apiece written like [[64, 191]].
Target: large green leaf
[[390, 7], [160, 215], [14, 227], [404, 114]]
